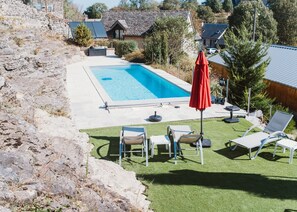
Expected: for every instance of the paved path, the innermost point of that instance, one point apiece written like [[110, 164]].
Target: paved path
[[86, 104]]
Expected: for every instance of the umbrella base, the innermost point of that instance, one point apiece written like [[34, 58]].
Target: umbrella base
[[206, 143], [231, 120]]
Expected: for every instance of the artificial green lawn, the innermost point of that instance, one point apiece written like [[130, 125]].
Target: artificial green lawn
[[228, 181]]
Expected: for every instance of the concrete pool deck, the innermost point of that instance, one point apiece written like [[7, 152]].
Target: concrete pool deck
[[87, 106]]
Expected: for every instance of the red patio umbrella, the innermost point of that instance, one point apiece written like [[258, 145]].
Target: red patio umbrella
[[200, 94]]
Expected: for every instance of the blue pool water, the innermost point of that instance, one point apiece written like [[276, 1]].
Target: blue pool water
[[134, 82]]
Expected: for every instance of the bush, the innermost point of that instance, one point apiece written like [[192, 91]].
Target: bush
[[83, 35], [136, 56], [102, 42], [187, 64], [124, 47], [183, 70], [258, 101]]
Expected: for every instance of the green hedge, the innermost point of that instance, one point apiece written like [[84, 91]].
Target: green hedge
[[124, 47]]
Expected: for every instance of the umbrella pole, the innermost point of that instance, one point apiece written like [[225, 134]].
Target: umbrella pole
[[204, 142], [201, 129]]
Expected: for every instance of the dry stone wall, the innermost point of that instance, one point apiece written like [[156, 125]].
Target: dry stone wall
[[44, 159]]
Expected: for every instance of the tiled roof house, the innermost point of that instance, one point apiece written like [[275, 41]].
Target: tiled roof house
[[212, 34], [133, 25], [281, 73]]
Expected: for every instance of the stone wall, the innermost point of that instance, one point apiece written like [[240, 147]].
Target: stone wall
[[20, 15], [45, 161]]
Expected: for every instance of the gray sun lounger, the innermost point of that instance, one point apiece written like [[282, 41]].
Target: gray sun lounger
[[184, 134], [271, 133], [131, 135]]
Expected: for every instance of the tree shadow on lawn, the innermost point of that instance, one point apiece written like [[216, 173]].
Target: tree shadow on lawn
[[233, 154], [112, 154], [240, 151], [256, 184]]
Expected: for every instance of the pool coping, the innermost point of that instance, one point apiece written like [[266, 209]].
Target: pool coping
[[108, 102]]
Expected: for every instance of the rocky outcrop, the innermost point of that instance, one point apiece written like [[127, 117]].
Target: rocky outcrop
[[45, 161]]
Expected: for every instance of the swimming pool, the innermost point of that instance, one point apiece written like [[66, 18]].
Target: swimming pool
[[135, 83]]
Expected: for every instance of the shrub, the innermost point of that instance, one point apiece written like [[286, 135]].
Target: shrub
[[37, 50], [187, 64], [259, 101], [124, 47], [19, 41], [179, 70], [83, 35], [136, 56], [102, 42]]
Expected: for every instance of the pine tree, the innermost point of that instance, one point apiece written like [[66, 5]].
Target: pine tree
[[284, 12], [215, 5], [83, 35], [171, 5], [246, 61], [205, 13], [266, 25], [228, 6]]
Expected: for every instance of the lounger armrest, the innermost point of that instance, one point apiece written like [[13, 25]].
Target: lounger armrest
[[145, 134], [168, 130], [278, 134], [121, 136], [274, 136], [249, 129]]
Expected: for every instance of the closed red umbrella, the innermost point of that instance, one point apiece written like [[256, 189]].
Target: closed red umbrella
[[200, 94]]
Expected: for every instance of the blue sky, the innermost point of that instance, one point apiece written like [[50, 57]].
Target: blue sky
[[86, 3], [109, 3]]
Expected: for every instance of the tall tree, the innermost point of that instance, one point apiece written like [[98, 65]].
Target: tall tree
[[124, 4], [205, 13], [249, 12], [246, 61], [171, 5], [171, 30], [215, 5], [96, 10], [72, 12], [228, 6], [189, 4], [137, 5], [133, 4], [148, 5], [284, 12]]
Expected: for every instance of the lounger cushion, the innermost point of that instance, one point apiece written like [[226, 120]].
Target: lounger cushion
[[133, 140], [189, 138]]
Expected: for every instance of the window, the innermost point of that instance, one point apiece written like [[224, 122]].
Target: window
[[118, 34], [41, 6]]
